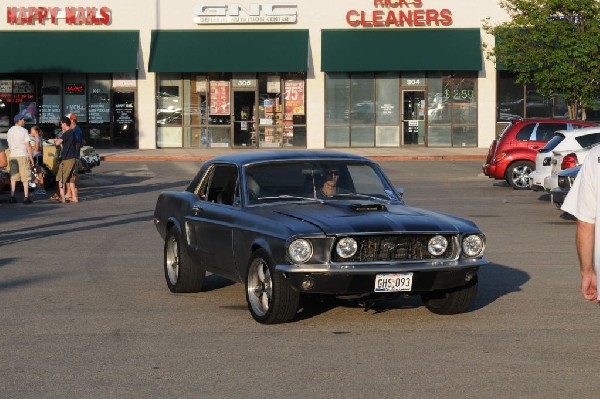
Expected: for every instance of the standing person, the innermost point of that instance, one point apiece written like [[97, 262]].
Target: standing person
[[38, 157], [78, 143], [583, 202], [65, 174], [21, 158]]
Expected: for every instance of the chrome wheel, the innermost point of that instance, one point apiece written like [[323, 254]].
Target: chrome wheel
[[518, 174], [259, 287], [172, 260]]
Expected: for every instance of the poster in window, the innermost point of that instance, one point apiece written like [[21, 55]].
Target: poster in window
[[294, 97], [219, 97]]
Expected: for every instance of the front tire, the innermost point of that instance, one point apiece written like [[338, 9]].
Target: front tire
[[517, 174], [454, 301], [271, 299], [181, 273]]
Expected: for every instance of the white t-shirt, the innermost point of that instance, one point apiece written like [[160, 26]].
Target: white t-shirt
[[583, 200], [17, 137]]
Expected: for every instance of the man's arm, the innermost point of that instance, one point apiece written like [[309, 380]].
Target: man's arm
[[3, 160], [585, 250], [29, 152]]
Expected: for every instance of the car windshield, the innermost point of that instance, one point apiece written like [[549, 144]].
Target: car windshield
[[316, 181]]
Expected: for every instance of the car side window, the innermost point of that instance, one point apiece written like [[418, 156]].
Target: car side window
[[545, 131], [588, 140], [223, 186], [526, 132]]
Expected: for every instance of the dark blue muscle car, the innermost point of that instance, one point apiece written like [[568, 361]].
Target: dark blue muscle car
[[287, 223]]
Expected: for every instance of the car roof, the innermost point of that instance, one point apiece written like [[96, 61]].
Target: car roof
[[550, 120], [581, 132], [244, 158]]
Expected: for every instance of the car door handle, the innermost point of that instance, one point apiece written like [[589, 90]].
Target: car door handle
[[196, 208], [534, 147]]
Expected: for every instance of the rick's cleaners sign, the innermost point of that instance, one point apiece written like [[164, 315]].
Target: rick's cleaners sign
[[389, 13]]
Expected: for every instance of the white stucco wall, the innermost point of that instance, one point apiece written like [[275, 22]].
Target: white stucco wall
[[313, 15]]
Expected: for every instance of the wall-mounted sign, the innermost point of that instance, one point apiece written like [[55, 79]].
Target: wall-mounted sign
[[71, 15], [214, 14], [74, 88], [243, 81], [389, 13]]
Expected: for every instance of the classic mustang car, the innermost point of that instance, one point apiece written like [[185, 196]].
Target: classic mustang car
[[290, 223]]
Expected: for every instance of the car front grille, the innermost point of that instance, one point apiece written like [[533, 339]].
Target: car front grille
[[401, 247]]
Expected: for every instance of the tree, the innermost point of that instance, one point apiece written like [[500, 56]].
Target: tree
[[554, 44]]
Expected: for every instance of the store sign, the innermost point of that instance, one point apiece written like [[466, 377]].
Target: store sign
[[74, 88], [71, 15], [400, 13], [205, 14]]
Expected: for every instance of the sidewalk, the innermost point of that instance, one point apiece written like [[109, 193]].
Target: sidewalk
[[378, 154]]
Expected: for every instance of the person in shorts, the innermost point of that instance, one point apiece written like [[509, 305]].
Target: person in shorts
[[38, 158], [21, 158], [66, 169]]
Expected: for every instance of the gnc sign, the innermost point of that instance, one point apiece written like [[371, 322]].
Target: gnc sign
[[281, 13]]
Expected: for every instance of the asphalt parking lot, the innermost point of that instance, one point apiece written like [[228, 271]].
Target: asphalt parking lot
[[86, 312]]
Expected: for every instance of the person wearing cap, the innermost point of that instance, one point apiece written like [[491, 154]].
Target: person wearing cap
[[21, 158]]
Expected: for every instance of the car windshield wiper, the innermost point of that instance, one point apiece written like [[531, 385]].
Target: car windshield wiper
[[289, 197], [357, 195]]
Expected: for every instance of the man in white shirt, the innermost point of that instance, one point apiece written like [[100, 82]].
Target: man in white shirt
[[583, 202], [21, 158]]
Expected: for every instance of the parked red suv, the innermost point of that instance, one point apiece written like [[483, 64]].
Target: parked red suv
[[512, 154]]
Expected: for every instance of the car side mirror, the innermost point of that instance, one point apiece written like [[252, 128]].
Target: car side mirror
[[400, 191]]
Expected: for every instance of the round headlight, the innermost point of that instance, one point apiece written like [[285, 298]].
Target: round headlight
[[437, 245], [300, 250], [472, 245], [346, 247]]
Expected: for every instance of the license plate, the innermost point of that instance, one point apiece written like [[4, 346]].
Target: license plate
[[393, 282]]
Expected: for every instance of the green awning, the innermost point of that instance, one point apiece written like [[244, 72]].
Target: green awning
[[401, 50], [69, 51], [229, 51]]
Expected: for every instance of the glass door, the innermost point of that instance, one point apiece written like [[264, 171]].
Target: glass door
[[413, 116], [124, 119], [244, 106]]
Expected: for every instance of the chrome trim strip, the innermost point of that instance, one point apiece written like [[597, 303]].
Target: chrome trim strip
[[383, 267]]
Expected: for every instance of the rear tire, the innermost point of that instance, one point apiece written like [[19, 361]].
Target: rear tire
[[181, 273], [517, 174], [271, 299], [454, 301]]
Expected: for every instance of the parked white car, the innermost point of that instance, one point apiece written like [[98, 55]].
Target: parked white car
[[565, 150]]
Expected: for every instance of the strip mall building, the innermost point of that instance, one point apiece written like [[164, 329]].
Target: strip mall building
[[301, 74]]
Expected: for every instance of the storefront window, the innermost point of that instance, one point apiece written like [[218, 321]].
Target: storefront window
[[387, 110], [337, 99], [74, 96], [362, 109], [169, 111], [452, 110], [17, 96], [98, 132]]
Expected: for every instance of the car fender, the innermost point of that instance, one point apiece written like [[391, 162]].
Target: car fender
[[512, 156]]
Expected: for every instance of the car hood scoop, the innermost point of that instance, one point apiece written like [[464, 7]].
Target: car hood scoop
[[340, 218], [368, 207]]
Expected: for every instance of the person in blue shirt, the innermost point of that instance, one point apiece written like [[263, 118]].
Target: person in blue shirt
[[70, 162], [78, 143]]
